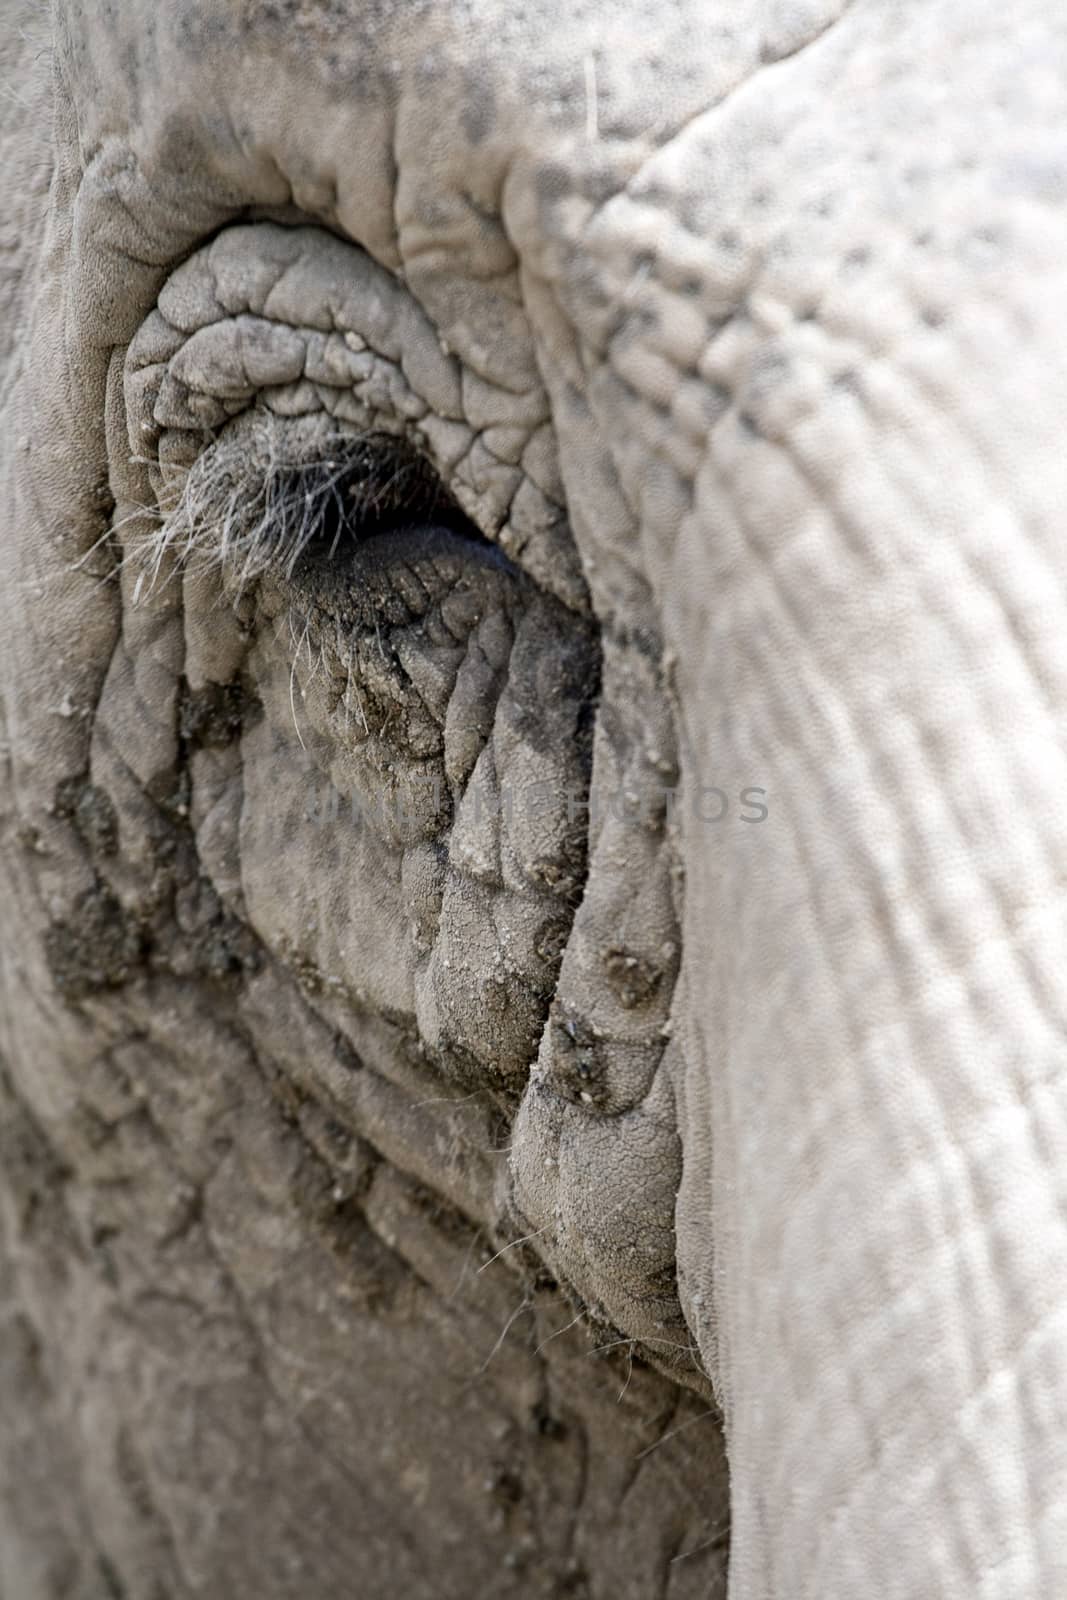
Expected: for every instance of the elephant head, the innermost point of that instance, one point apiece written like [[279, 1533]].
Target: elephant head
[[532, 763]]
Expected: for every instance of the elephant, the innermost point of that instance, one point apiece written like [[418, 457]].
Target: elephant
[[532, 702]]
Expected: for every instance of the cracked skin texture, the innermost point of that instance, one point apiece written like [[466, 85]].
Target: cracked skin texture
[[693, 321]]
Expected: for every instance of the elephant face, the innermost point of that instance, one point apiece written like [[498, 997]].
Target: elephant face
[[530, 713]]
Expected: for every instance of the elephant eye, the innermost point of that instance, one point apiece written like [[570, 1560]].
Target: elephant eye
[[321, 512], [292, 503]]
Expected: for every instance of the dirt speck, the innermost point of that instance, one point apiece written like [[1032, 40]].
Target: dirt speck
[[91, 812], [99, 946], [215, 714]]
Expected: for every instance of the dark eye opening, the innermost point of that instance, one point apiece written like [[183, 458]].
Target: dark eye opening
[[267, 497], [327, 509]]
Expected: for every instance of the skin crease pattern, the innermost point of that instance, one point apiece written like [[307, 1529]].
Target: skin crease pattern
[[532, 998]]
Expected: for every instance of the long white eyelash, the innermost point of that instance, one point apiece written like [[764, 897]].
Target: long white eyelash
[[253, 502]]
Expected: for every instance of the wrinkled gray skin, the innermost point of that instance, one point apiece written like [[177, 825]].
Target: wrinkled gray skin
[[738, 331]]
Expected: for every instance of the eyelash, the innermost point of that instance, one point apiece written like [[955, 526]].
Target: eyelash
[[262, 501]]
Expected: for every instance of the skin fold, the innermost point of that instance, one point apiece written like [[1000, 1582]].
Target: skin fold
[[531, 800]]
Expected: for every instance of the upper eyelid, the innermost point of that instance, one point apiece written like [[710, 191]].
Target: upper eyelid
[[264, 308]]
